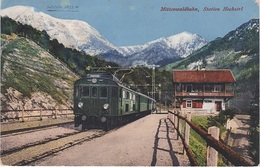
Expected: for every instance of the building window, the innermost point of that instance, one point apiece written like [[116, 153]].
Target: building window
[[188, 104], [197, 88], [178, 88], [217, 88], [209, 88], [188, 88], [197, 104]]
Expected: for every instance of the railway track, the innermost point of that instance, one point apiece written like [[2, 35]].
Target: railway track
[[32, 128], [18, 151]]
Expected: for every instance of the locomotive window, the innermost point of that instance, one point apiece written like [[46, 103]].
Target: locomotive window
[[76, 90], [85, 91], [114, 92], [103, 92], [94, 92]]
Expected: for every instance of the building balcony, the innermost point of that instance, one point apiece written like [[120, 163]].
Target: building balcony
[[204, 94]]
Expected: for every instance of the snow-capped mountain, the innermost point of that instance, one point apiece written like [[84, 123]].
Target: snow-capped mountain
[[160, 51], [83, 37], [71, 33], [184, 43]]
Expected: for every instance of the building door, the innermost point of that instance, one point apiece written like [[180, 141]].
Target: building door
[[218, 105]]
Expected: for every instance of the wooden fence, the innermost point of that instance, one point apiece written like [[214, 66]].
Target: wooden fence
[[211, 138], [39, 114]]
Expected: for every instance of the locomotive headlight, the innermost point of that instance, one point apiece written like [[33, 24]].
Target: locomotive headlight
[[84, 117], [103, 119], [80, 104], [106, 106]]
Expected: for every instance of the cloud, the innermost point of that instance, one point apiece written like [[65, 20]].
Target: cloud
[[132, 7], [65, 2], [257, 1]]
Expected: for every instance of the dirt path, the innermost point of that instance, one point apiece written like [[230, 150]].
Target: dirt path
[[239, 137], [147, 141]]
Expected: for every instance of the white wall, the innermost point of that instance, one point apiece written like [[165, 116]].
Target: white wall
[[208, 104]]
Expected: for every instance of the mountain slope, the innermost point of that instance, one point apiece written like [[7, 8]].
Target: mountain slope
[[31, 77], [238, 50], [71, 33]]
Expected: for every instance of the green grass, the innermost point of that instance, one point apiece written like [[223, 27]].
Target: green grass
[[198, 145]]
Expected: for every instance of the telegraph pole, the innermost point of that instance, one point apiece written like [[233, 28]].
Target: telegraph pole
[[153, 82]]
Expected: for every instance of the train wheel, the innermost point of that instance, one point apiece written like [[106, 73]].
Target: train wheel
[[84, 126], [107, 125]]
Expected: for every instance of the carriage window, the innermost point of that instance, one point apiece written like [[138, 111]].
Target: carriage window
[[94, 92], [124, 96], [103, 92], [126, 107], [85, 91]]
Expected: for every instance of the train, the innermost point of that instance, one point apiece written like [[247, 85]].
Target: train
[[101, 100]]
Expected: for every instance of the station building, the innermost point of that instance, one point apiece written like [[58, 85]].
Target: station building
[[203, 91]]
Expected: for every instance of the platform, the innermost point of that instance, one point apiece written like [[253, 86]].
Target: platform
[[149, 141]]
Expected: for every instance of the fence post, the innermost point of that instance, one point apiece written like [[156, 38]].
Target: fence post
[[173, 119], [23, 115], [212, 154], [187, 130], [178, 126], [55, 116], [40, 114]]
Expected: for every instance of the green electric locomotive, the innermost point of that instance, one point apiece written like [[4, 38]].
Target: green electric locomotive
[[101, 100]]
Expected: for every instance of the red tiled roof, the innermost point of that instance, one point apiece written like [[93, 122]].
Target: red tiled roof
[[203, 76]]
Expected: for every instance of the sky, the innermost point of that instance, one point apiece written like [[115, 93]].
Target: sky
[[135, 22]]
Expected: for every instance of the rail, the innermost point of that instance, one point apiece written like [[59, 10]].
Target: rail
[[22, 114], [223, 149]]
